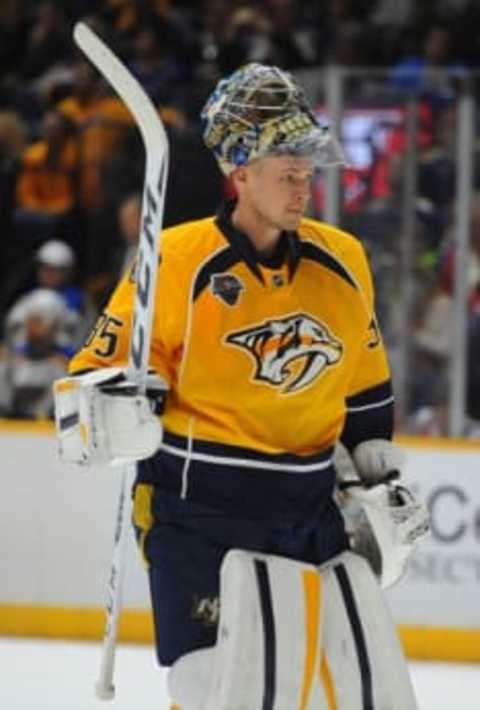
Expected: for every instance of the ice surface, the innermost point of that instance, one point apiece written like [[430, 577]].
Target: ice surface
[[41, 675]]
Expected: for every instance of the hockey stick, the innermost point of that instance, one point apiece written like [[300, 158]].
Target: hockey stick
[[156, 149]]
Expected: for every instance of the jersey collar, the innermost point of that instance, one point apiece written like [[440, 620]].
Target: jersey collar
[[288, 246]]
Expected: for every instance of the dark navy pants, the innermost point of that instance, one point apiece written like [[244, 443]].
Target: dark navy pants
[[291, 515]]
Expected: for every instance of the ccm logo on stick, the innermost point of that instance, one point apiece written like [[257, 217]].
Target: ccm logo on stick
[[144, 275]]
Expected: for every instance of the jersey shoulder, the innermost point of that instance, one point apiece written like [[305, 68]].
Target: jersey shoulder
[[332, 238], [192, 241], [343, 247]]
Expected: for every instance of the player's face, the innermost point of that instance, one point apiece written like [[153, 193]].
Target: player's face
[[279, 188]]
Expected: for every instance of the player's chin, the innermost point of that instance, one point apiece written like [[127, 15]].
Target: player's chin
[[292, 219]]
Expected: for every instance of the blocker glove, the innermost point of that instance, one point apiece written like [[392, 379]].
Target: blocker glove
[[393, 521], [100, 417]]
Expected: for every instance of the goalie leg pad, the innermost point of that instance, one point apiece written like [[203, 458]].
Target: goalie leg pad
[[258, 661], [189, 679], [295, 637], [269, 634], [359, 639]]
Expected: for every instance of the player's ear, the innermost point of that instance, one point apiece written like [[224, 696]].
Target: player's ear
[[239, 176]]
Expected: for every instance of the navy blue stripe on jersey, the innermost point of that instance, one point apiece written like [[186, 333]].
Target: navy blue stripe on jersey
[[312, 251], [270, 646], [220, 262], [240, 456], [358, 636], [369, 415], [248, 486], [371, 398]]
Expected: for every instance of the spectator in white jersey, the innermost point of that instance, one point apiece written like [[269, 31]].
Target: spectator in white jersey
[[35, 354]]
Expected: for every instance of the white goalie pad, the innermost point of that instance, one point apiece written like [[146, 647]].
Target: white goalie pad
[[95, 427], [366, 661], [292, 637]]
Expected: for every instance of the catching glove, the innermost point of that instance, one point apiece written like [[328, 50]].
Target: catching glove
[[386, 520]]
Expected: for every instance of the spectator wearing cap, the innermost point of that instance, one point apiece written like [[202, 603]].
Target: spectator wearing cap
[[55, 270], [35, 353]]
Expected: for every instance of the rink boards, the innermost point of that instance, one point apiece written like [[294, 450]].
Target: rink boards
[[56, 530]]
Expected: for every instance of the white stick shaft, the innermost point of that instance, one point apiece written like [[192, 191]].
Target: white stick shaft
[[104, 687], [156, 170]]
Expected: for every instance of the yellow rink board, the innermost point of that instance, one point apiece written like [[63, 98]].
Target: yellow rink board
[[419, 642], [46, 427]]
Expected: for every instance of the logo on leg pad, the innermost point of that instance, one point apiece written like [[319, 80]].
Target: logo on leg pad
[[206, 610]]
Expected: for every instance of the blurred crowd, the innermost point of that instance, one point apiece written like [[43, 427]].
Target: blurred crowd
[[72, 161]]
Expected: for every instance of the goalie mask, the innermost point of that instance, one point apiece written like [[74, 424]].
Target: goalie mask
[[260, 110]]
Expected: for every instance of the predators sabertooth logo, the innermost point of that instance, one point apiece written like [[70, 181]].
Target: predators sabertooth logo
[[291, 351]]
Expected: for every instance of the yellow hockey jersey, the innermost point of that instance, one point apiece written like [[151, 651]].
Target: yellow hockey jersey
[[266, 357]]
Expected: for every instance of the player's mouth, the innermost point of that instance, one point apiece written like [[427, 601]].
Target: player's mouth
[[295, 208], [295, 212]]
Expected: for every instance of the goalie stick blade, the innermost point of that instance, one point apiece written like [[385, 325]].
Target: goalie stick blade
[[126, 86], [157, 152]]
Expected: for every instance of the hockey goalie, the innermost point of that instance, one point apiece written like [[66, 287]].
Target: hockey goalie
[[269, 391]]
